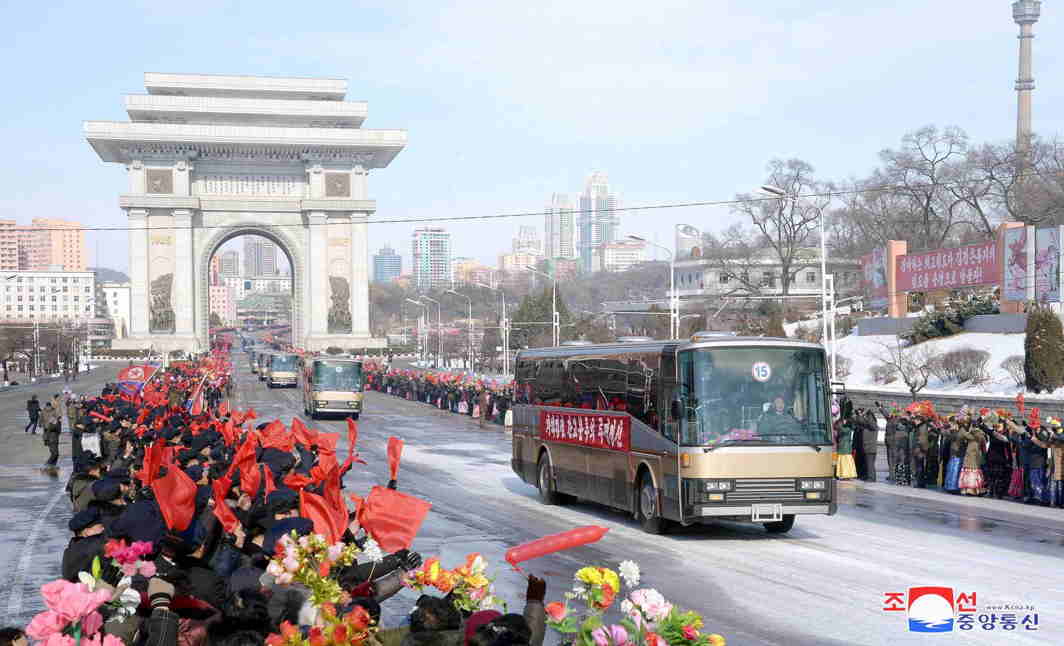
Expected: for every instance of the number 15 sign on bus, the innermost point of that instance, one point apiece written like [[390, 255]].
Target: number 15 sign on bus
[[592, 429]]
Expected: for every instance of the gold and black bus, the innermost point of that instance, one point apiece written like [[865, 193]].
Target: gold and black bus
[[332, 385], [718, 427]]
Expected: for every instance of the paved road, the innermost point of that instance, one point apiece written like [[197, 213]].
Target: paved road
[[822, 584]]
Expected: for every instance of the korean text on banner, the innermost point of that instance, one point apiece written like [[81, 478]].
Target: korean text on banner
[[948, 268], [596, 430]]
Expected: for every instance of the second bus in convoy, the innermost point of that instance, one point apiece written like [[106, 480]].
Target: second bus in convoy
[[720, 427], [282, 370], [332, 385]]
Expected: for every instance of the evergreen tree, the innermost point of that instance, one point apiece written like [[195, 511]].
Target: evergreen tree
[[1043, 350]]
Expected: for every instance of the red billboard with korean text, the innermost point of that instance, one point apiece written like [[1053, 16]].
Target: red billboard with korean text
[[967, 266], [593, 429]]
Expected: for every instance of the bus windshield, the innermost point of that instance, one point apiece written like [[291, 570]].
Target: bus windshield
[[282, 362], [754, 395], [337, 376]]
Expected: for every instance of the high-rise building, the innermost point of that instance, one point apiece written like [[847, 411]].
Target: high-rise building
[[223, 303], [229, 264], [597, 222], [9, 245], [47, 244], [559, 228], [260, 256], [527, 241], [431, 251], [386, 265]]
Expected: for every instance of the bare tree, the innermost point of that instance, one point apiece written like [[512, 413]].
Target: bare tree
[[734, 255], [787, 224], [913, 364]]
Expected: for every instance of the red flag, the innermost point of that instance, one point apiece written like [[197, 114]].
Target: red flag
[[352, 442], [392, 518], [297, 481], [250, 478], [317, 509], [302, 434], [153, 459], [244, 455], [333, 496], [100, 417], [554, 543], [176, 494], [276, 436], [268, 482], [327, 442], [222, 511], [395, 451], [228, 432]]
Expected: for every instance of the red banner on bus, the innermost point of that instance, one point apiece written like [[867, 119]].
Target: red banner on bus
[[586, 429]]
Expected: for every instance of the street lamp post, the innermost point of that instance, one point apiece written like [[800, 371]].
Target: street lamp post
[[674, 300], [451, 291], [422, 338], [504, 323], [824, 298], [439, 331], [556, 322]]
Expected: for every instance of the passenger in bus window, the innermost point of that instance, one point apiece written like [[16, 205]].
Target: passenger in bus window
[[777, 420]]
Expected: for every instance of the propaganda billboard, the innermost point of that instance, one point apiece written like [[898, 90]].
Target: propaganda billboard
[[1015, 288], [1047, 265], [966, 266]]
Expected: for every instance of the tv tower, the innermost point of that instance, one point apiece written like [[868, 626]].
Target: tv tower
[[1025, 13]]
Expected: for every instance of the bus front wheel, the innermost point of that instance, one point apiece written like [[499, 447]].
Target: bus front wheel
[[547, 494], [649, 515], [782, 526]]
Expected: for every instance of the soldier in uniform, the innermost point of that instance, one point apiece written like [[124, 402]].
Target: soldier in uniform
[[888, 438], [74, 414], [52, 426]]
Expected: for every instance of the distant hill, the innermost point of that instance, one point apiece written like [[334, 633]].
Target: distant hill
[[105, 275]]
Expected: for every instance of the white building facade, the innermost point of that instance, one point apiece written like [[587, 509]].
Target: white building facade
[[114, 304], [431, 250], [49, 296]]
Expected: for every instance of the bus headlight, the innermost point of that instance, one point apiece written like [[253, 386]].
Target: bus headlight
[[718, 485], [812, 485], [322, 402]]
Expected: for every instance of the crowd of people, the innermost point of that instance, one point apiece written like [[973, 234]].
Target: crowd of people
[[460, 393], [994, 453], [194, 524]]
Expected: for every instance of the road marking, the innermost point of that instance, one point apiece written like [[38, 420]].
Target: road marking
[[14, 602]]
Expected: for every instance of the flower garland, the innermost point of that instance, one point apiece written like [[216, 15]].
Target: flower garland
[[309, 560], [649, 619], [468, 585]]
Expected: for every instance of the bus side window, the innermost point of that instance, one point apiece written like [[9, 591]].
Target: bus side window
[[666, 396]]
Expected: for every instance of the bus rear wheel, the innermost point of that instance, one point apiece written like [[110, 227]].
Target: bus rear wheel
[[547, 494], [782, 526], [648, 513]]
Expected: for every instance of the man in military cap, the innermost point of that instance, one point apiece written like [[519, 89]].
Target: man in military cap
[[52, 426]]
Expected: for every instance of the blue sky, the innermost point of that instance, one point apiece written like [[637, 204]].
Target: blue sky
[[506, 103]]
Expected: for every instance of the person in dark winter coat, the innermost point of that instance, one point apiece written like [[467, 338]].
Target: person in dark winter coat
[[870, 443], [33, 409], [87, 543]]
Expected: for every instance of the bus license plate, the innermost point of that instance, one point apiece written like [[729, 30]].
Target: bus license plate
[[766, 513]]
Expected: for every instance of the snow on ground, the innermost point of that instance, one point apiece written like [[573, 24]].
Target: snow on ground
[[864, 352]]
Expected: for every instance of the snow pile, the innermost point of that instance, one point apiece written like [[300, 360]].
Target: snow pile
[[865, 352]]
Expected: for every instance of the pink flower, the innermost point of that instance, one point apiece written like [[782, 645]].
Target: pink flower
[[290, 564], [652, 604], [689, 632], [147, 569], [59, 639], [335, 551], [72, 601], [45, 624], [613, 635], [128, 569], [556, 611], [91, 624], [141, 548], [283, 579]]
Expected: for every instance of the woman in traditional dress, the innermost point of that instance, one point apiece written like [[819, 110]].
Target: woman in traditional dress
[[845, 467], [971, 479], [956, 454]]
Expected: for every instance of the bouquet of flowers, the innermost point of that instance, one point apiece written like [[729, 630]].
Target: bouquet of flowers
[[352, 629], [649, 620], [469, 586], [473, 590], [72, 617], [309, 560], [129, 557]]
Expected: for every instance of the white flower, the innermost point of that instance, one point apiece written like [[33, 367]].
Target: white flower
[[629, 571], [86, 579], [372, 551], [334, 551]]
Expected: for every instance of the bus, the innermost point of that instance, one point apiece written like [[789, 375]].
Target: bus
[[282, 369], [715, 428], [332, 385]]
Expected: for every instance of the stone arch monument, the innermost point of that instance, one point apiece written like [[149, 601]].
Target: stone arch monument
[[212, 157]]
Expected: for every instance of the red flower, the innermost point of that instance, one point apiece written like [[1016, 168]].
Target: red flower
[[324, 568], [690, 633], [608, 595], [316, 637], [288, 630], [274, 640], [339, 633], [358, 619]]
